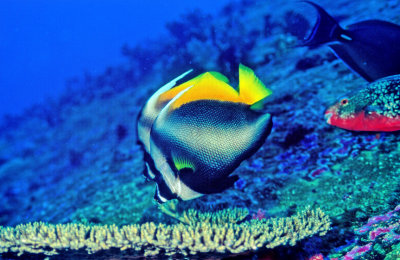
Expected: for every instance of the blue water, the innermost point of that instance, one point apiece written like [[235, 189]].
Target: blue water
[[44, 43]]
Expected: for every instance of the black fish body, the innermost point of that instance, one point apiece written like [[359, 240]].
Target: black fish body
[[218, 130], [195, 134], [371, 48]]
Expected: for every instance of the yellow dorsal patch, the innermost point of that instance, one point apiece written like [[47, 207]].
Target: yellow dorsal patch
[[214, 86], [208, 87], [251, 89], [170, 94]]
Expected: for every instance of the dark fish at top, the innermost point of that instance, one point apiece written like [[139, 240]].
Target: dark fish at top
[[375, 107], [371, 48]]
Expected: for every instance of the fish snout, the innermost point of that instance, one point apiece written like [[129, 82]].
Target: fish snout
[[328, 115]]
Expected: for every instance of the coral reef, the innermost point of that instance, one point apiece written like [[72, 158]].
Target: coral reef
[[215, 234], [376, 239], [105, 210], [360, 186], [193, 216], [73, 159]]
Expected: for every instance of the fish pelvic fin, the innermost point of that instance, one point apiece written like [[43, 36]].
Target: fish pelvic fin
[[325, 30], [251, 90]]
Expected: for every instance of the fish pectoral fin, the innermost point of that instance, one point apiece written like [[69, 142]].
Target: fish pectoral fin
[[372, 108], [182, 163], [251, 89]]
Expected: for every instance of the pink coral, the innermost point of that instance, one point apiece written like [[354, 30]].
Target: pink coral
[[357, 251], [260, 214], [316, 257]]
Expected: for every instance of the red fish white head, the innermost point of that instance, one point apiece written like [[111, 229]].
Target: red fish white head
[[373, 108], [345, 114]]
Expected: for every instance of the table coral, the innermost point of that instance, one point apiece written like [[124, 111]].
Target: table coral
[[220, 236]]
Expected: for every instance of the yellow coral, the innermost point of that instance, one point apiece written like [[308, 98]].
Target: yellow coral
[[213, 235]]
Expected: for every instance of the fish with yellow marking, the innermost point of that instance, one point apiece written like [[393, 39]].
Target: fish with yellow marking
[[196, 133]]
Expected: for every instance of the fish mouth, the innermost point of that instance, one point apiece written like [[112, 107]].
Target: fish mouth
[[328, 115]]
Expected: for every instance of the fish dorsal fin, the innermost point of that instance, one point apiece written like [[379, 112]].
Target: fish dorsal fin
[[251, 89], [219, 76], [259, 105], [171, 84], [208, 87], [170, 94], [150, 111]]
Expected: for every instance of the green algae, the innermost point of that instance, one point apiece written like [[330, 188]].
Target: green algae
[[355, 187], [121, 206], [394, 252]]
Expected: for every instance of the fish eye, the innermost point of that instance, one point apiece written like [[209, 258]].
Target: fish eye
[[344, 101]]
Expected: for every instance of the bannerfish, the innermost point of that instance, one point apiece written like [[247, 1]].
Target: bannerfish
[[194, 134], [370, 48], [375, 107]]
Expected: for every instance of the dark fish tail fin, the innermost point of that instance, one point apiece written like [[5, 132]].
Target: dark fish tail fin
[[326, 29]]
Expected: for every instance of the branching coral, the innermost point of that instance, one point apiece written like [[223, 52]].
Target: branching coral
[[154, 239], [193, 216]]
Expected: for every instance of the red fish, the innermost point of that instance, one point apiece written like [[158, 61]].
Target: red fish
[[373, 108]]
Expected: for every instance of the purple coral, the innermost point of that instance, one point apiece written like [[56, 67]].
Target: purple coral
[[318, 172], [376, 220], [382, 226], [357, 251]]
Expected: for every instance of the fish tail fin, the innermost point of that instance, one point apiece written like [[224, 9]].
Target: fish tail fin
[[325, 30], [251, 90]]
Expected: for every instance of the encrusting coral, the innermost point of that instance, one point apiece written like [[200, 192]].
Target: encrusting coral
[[198, 237]]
